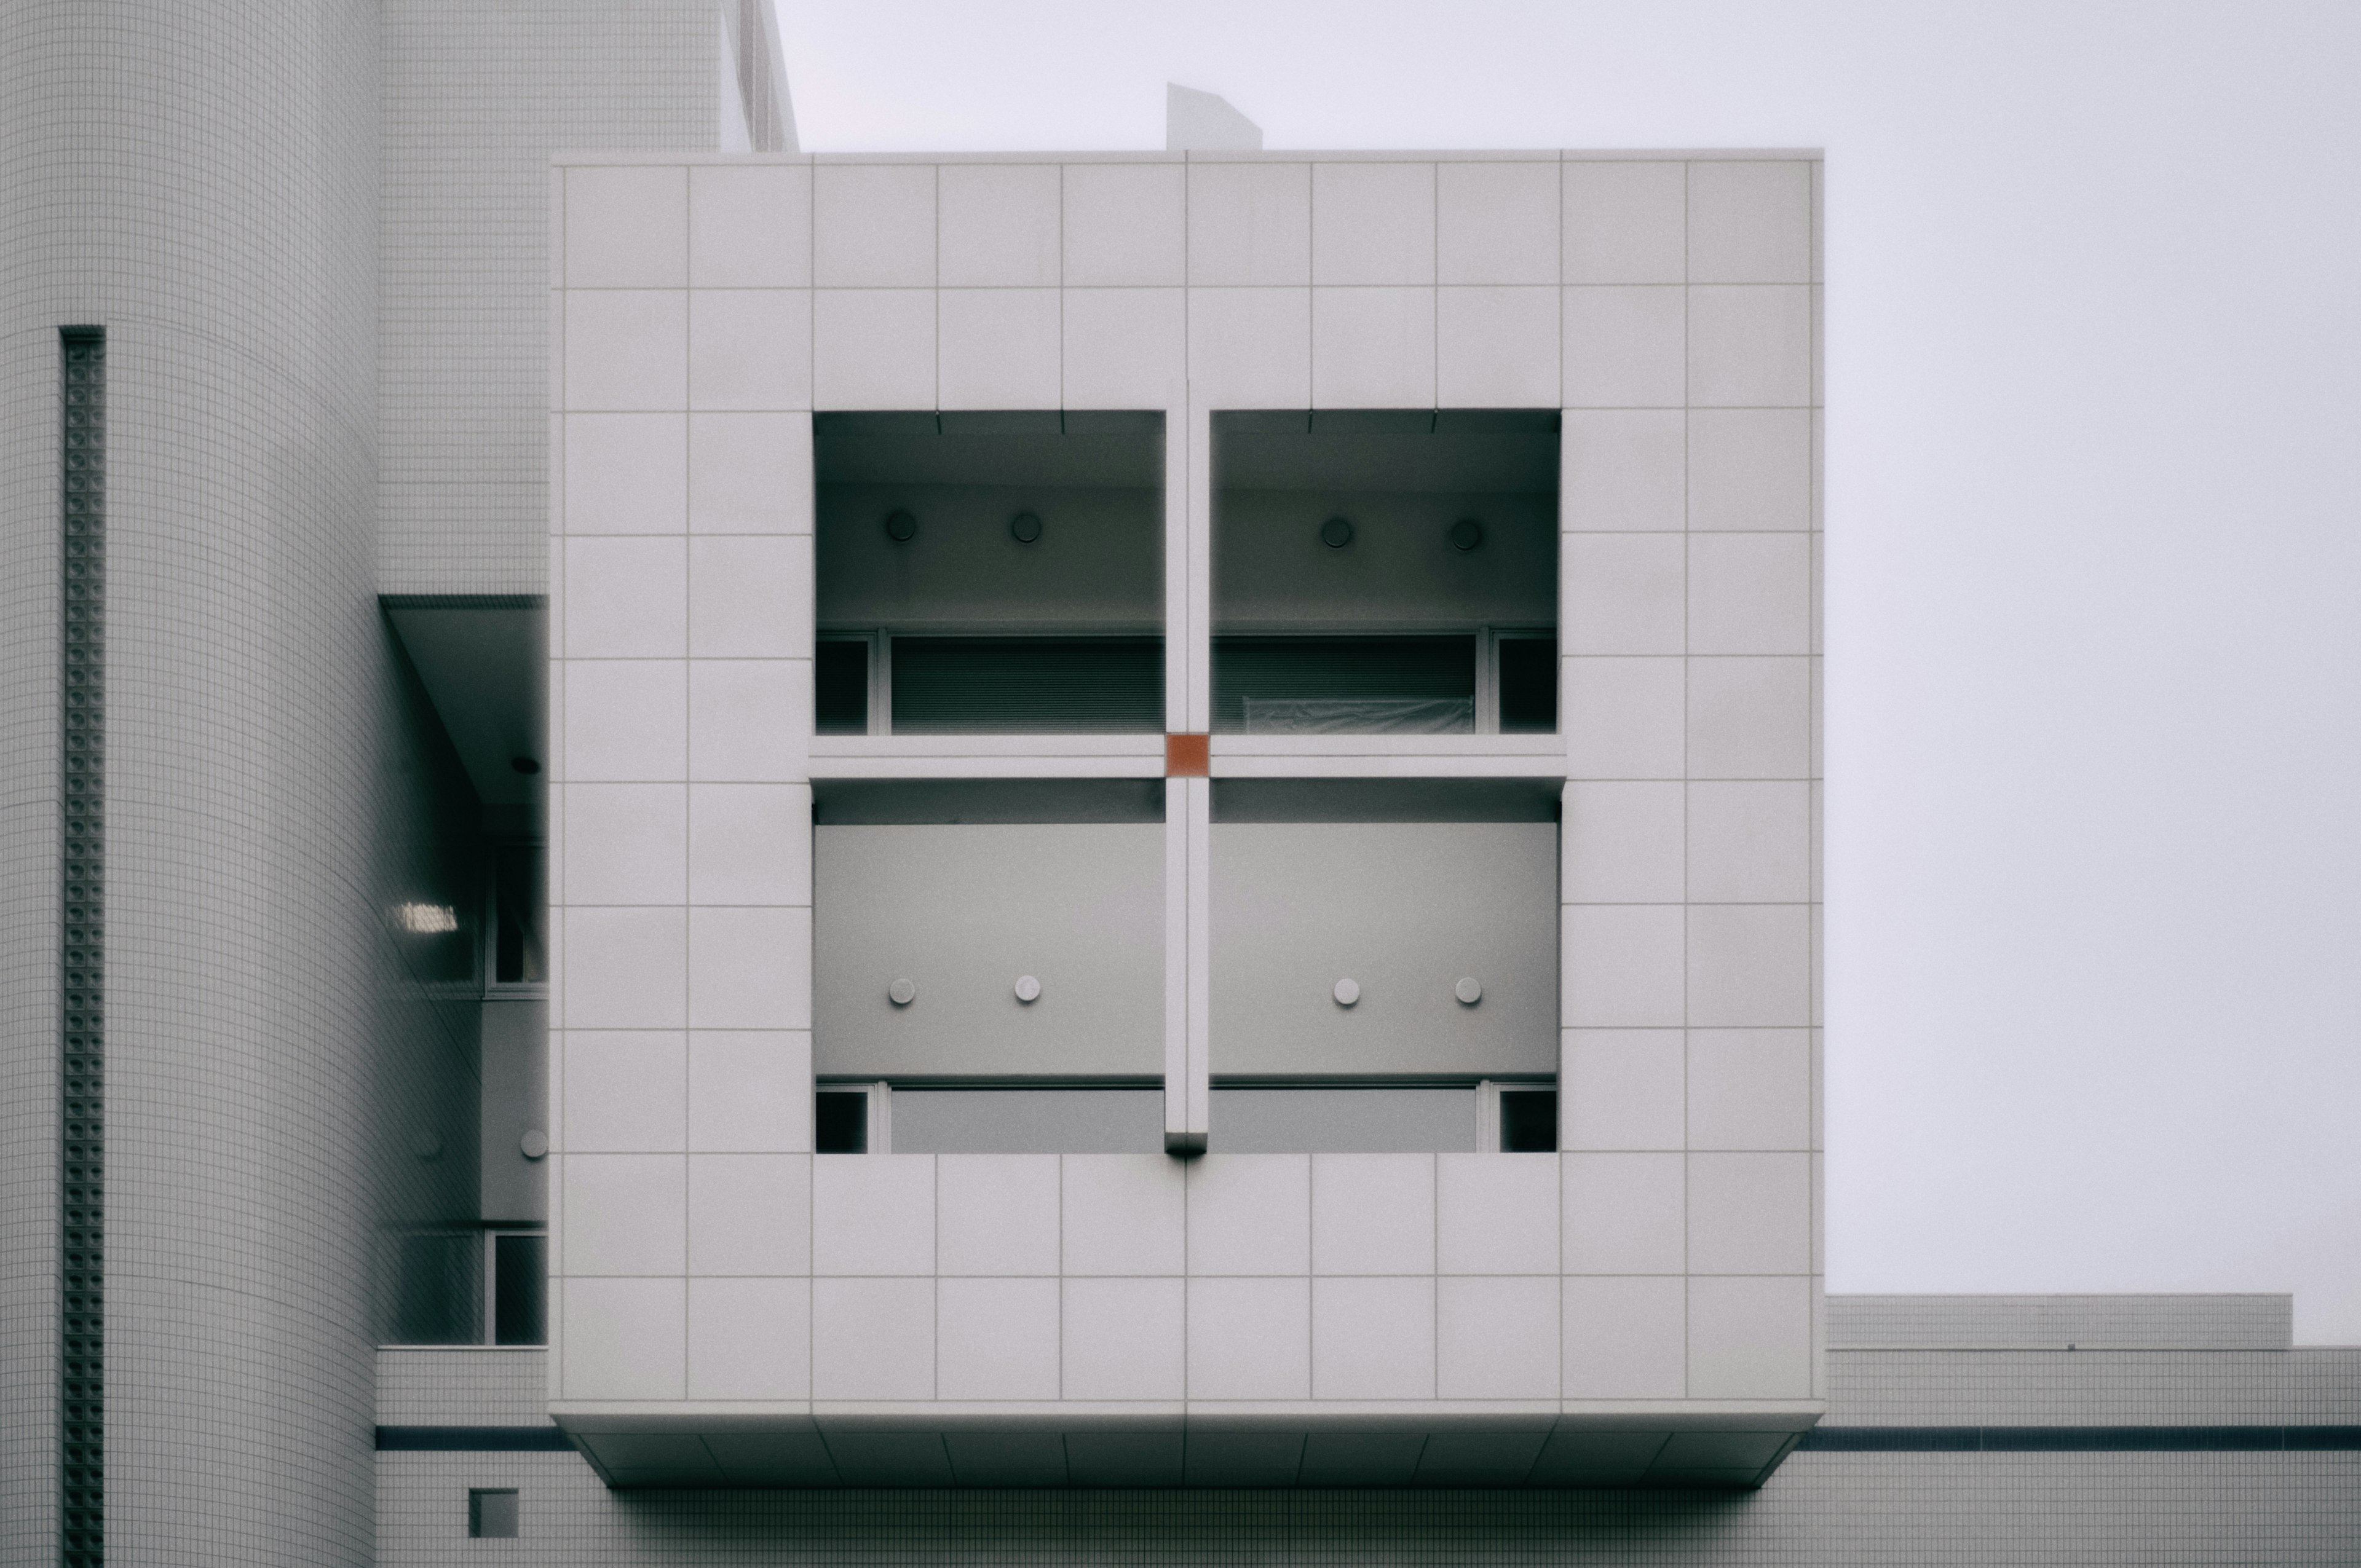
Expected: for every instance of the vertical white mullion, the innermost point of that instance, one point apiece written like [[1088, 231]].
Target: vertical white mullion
[[1175, 965], [1201, 951], [1200, 568], [1487, 681]]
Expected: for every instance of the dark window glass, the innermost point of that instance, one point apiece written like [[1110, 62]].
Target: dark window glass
[[840, 1121], [1028, 685], [1527, 685], [840, 686], [1343, 684], [520, 1289], [439, 1295], [491, 1513], [517, 902], [1527, 1121]]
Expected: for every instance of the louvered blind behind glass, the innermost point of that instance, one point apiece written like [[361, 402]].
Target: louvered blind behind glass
[[1269, 684], [1028, 685]]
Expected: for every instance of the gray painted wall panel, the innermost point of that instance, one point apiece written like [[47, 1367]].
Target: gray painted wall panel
[[961, 911], [1404, 908]]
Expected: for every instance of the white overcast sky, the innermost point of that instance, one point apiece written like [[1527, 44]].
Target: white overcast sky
[[2095, 522]]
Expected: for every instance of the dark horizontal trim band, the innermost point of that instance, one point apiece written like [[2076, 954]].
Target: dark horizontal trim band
[[463, 601], [472, 1440], [2084, 1440]]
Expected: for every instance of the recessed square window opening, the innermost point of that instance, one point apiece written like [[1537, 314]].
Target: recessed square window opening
[[492, 1512], [989, 573], [1385, 571]]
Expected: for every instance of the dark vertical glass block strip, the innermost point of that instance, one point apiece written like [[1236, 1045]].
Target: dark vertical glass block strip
[[520, 1289], [1528, 1121], [81, 919], [840, 686], [840, 1121], [1527, 685]]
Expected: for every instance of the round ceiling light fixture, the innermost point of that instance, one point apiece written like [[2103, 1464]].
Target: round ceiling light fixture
[[1337, 532], [1025, 527], [1466, 534], [901, 526], [525, 766]]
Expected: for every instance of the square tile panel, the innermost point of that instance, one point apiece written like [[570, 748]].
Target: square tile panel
[[1124, 1339], [1497, 1213], [1249, 1339], [996, 1214], [872, 1338], [1497, 1339], [996, 1339], [1373, 1338], [1373, 1213]]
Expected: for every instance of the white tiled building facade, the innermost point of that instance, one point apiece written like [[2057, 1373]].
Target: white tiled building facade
[[712, 1276]]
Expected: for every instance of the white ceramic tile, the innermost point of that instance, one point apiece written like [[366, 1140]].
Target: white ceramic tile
[[1496, 223], [749, 1089], [1125, 349], [749, 348], [1749, 593], [1250, 347], [624, 1339], [1750, 1338], [1126, 225], [873, 348], [748, 721], [1497, 348], [1750, 1089], [1750, 223], [1622, 1089], [1495, 1339], [996, 1339], [874, 226], [1625, 221], [1250, 1213], [626, 598], [625, 843], [1373, 1338], [1751, 348], [1124, 1339], [749, 596], [1749, 843], [626, 969], [1001, 349], [749, 1339], [1750, 965], [872, 1338], [1000, 225], [1373, 1213], [1249, 1339], [1123, 1215], [625, 1213], [748, 968], [1622, 593], [626, 228], [1373, 223], [873, 1214], [1497, 1213], [1621, 471], [625, 720], [1750, 719], [1626, 1339], [749, 1213], [1249, 224], [1751, 1214], [1621, 842], [1623, 348], [626, 1092], [1750, 469], [749, 226], [1622, 717], [750, 844], [997, 1213], [1373, 348], [626, 473], [626, 349], [1622, 966], [749, 472], [1625, 1213]]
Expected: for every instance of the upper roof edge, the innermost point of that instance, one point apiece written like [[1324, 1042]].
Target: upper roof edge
[[574, 158]]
